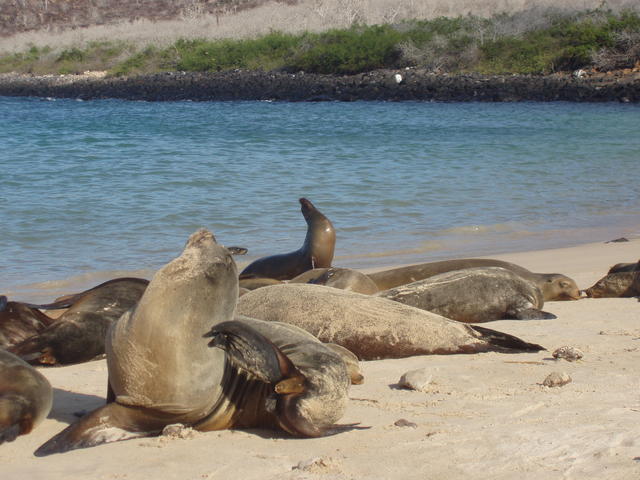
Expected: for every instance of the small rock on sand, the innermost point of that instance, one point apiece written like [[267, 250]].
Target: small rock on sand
[[556, 379], [416, 380], [570, 354]]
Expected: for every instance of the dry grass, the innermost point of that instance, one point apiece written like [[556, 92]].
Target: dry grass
[[307, 15]]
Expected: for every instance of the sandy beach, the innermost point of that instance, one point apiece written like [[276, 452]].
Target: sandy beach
[[482, 416]]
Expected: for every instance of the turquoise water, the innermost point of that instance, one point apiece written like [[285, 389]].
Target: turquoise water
[[96, 189]]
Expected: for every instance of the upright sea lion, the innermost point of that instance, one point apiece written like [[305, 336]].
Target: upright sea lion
[[624, 283], [371, 327], [554, 286], [19, 321], [79, 334], [316, 251], [162, 370], [343, 278], [25, 397], [473, 295]]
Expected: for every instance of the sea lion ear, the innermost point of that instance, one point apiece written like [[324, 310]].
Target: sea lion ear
[[238, 250]]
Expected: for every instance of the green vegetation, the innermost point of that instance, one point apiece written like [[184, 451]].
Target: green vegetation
[[502, 44]]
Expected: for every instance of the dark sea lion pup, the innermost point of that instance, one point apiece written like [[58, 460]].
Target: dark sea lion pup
[[316, 251], [19, 321], [79, 334], [25, 397]]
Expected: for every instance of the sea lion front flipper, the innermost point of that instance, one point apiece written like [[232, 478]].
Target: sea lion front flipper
[[533, 314], [110, 423], [249, 350]]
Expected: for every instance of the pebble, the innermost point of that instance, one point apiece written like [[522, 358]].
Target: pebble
[[556, 379], [416, 380], [570, 354]]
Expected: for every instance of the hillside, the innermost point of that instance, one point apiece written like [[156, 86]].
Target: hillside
[[18, 16]]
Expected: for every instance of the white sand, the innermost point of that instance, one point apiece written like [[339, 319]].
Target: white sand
[[483, 416]]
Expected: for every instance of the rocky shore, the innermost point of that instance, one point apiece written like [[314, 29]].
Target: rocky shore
[[391, 85]]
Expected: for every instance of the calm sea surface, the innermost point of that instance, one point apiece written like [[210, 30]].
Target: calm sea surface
[[93, 190]]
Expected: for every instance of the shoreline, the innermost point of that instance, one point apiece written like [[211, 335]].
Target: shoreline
[[536, 260], [410, 84], [481, 415]]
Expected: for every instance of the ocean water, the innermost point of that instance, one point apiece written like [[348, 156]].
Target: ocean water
[[98, 189]]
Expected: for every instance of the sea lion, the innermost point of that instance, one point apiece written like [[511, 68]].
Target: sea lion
[[25, 397], [310, 380], [617, 284], [255, 282], [473, 295], [316, 251], [163, 369], [343, 278], [371, 327], [351, 361], [79, 334], [19, 321], [554, 286], [625, 267]]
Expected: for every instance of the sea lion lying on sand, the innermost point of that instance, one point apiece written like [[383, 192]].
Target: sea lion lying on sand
[[623, 283], [25, 397], [178, 358], [316, 251], [343, 278], [79, 334], [554, 286], [371, 327], [474, 295], [19, 321]]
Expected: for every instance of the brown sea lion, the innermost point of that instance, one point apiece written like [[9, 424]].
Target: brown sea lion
[[625, 267], [343, 278], [618, 284], [316, 251], [369, 326], [25, 397], [163, 369], [554, 286], [78, 335], [473, 295], [19, 321]]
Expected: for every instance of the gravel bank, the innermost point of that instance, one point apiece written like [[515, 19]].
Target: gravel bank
[[392, 85]]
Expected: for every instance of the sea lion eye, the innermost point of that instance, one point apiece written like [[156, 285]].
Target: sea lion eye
[[564, 284]]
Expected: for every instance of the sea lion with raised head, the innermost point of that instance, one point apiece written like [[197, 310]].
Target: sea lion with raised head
[[554, 286], [163, 369], [316, 251], [369, 326], [623, 283], [78, 335], [343, 278], [474, 295], [25, 397]]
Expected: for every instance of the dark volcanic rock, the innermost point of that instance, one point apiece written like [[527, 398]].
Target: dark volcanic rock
[[378, 85]]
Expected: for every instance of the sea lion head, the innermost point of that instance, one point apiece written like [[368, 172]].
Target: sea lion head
[[560, 287], [622, 284], [322, 401]]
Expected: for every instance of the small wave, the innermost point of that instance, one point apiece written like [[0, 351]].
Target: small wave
[[476, 229]]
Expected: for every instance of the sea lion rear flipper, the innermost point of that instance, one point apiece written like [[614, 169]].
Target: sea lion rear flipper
[[533, 314], [110, 423], [503, 342]]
